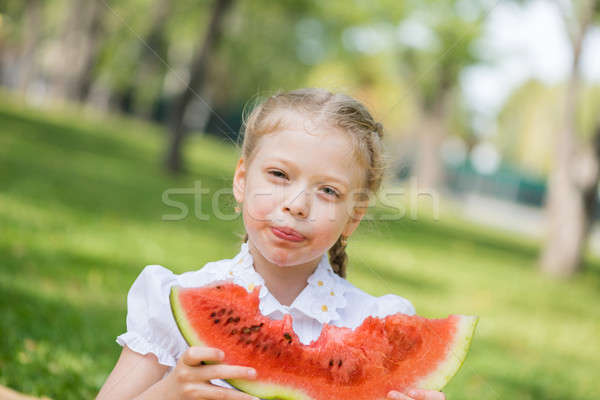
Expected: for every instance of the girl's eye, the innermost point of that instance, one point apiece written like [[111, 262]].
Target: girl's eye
[[280, 174], [277, 173], [332, 191]]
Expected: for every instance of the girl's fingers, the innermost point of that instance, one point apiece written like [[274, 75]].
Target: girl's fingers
[[394, 395], [203, 391], [195, 355], [419, 394], [223, 371]]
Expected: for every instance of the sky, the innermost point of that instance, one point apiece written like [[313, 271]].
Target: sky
[[526, 42]]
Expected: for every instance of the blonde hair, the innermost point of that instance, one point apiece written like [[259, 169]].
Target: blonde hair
[[322, 107]]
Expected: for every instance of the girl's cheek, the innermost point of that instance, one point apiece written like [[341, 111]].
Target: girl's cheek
[[257, 214], [328, 221], [260, 205], [328, 214]]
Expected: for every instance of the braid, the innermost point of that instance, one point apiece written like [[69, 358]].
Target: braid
[[338, 258]]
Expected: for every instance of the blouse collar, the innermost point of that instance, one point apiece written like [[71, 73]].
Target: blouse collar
[[321, 299]]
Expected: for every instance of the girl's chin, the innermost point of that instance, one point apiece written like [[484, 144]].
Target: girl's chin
[[282, 258]]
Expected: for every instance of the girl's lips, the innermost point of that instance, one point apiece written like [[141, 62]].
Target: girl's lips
[[293, 237]]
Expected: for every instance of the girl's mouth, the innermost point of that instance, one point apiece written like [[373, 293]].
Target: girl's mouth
[[293, 237]]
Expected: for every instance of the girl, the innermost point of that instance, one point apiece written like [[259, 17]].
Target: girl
[[309, 159]]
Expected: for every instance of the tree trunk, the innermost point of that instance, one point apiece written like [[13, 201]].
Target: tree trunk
[[572, 201], [151, 61], [93, 44], [31, 37], [81, 43], [198, 71], [571, 183], [429, 169], [65, 66], [591, 160]]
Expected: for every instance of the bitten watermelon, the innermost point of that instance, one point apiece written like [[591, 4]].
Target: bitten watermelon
[[365, 363]]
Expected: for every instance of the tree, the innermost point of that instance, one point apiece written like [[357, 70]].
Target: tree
[[148, 64], [197, 75], [573, 182], [31, 38], [435, 70], [82, 41]]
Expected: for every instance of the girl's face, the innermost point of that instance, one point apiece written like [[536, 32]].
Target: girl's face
[[300, 179]]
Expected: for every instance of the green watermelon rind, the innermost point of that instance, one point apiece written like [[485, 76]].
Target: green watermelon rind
[[179, 314], [268, 391], [457, 353], [261, 389], [436, 380]]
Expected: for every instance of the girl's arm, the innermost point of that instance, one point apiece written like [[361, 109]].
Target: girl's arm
[[132, 375]]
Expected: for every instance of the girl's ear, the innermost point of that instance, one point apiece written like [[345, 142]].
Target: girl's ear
[[239, 181]]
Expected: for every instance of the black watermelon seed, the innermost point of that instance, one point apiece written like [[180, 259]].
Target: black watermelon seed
[[212, 315], [340, 363], [331, 363], [236, 319], [218, 287], [287, 336], [217, 320], [228, 320]]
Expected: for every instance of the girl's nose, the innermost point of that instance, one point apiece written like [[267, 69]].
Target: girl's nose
[[298, 204]]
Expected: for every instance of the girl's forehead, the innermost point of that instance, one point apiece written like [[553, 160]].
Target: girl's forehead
[[300, 141], [311, 123]]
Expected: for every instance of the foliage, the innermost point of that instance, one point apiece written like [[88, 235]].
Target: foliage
[[435, 65], [530, 118]]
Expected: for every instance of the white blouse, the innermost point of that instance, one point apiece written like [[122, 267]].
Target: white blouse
[[328, 298]]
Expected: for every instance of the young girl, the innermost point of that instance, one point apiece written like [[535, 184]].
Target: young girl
[[309, 159]]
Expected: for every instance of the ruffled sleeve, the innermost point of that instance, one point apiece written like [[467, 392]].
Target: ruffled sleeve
[[150, 324]]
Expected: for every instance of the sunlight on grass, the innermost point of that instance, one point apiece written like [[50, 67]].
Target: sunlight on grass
[[81, 212]]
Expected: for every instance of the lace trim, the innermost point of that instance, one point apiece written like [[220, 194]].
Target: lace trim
[[141, 345]]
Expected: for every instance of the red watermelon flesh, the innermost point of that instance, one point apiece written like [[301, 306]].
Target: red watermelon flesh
[[382, 354]]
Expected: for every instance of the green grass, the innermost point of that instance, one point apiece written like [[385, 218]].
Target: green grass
[[80, 216]]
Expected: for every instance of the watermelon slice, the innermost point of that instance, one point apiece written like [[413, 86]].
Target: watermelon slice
[[382, 354]]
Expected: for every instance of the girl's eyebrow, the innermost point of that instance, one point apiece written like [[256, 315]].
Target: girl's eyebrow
[[327, 177]]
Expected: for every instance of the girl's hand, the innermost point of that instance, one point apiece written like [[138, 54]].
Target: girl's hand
[[189, 380], [416, 394]]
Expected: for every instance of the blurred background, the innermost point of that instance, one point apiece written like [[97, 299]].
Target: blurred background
[[114, 113]]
